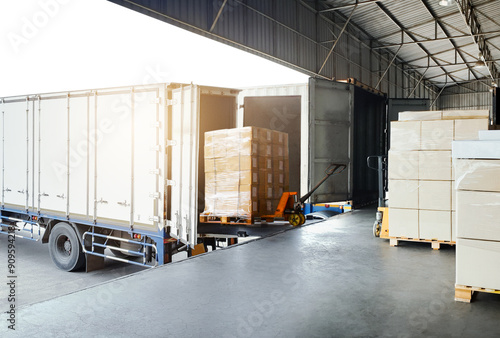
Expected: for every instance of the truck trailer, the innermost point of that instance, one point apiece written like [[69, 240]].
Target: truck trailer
[[109, 168], [122, 168]]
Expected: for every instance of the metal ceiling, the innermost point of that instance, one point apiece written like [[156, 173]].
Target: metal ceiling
[[442, 42], [402, 47]]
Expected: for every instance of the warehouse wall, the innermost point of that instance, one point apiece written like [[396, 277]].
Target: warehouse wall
[[475, 95], [271, 29]]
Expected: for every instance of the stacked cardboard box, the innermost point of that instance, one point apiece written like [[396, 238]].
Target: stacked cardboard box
[[477, 169], [421, 184], [246, 171]]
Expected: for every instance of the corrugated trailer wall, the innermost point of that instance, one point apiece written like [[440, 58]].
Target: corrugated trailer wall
[[474, 95], [270, 29]]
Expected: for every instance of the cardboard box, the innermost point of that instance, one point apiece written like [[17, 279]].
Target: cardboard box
[[265, 176], [403, 223], [403, 194], [240, 173], [469, 129], [420, 115], [489, 135], [265, 149], [403, 165], [278, 150], [434, 165], [453, 226], [248, 177], [265, 135], [266, 207], [435, 225], [478, 215], [477, 263], [277, 191], [278, 178], [476, 149], [453, 196], [479, 175], [278, 164], [265, 162], [237, 163], [434, 195], [248, 148], [405, 136], [465, 114], [278, 137], [437, 135]]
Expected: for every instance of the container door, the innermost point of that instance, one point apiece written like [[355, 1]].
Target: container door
[[16, 158], [112, 137], [53, 115], [330, 138], [148, 187], [184, 162]]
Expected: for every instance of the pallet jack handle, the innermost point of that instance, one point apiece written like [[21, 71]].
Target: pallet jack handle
[[334, 168]]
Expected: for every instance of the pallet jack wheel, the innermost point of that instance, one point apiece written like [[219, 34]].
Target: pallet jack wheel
[[376, 229], [294, 219], [302, 219]]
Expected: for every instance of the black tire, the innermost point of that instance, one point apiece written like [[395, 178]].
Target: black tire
[[65, 248]]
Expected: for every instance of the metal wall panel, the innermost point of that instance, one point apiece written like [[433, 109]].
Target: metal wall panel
[[273, 30], [474, 95]]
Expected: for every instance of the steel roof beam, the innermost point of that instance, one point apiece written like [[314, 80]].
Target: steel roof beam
[[357, 3], [410, 34], [432, 40], [448, 65], [431, 21], [445, 31], [468, 14]]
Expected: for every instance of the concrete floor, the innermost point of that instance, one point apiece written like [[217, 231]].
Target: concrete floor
[[329, 279]]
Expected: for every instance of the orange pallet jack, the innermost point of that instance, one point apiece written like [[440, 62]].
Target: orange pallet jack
[[291, 207]]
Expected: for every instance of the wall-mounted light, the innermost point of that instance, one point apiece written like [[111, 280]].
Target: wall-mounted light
[[446, 2]]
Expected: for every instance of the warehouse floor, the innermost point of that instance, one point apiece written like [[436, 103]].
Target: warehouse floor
[[329, 279]]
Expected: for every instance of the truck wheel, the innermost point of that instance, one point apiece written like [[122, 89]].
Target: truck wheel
[[65, 249]]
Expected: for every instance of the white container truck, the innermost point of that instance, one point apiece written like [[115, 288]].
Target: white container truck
[[122, 168], [109, 168]]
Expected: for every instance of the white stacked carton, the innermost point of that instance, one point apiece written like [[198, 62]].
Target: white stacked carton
[[421, 178], [477, 172]]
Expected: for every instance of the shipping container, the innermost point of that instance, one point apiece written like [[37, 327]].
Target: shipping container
[[330, 122]]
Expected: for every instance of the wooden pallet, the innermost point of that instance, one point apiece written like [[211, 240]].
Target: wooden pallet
[[226, 219], [465, 293], [435, 244]]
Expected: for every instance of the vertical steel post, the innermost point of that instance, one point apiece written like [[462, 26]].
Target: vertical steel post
[[95, 156], [33, 160], [27, 152], [132, 159], [39, 152], [3, 153], [68, 162]]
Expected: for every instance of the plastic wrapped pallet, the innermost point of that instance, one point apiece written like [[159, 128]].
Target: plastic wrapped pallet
[[246, 171], [421, 174], [477, 168]]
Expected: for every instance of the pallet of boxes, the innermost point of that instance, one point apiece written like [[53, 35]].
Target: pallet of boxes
[[477, 173], [420, 172], [246, 172]]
